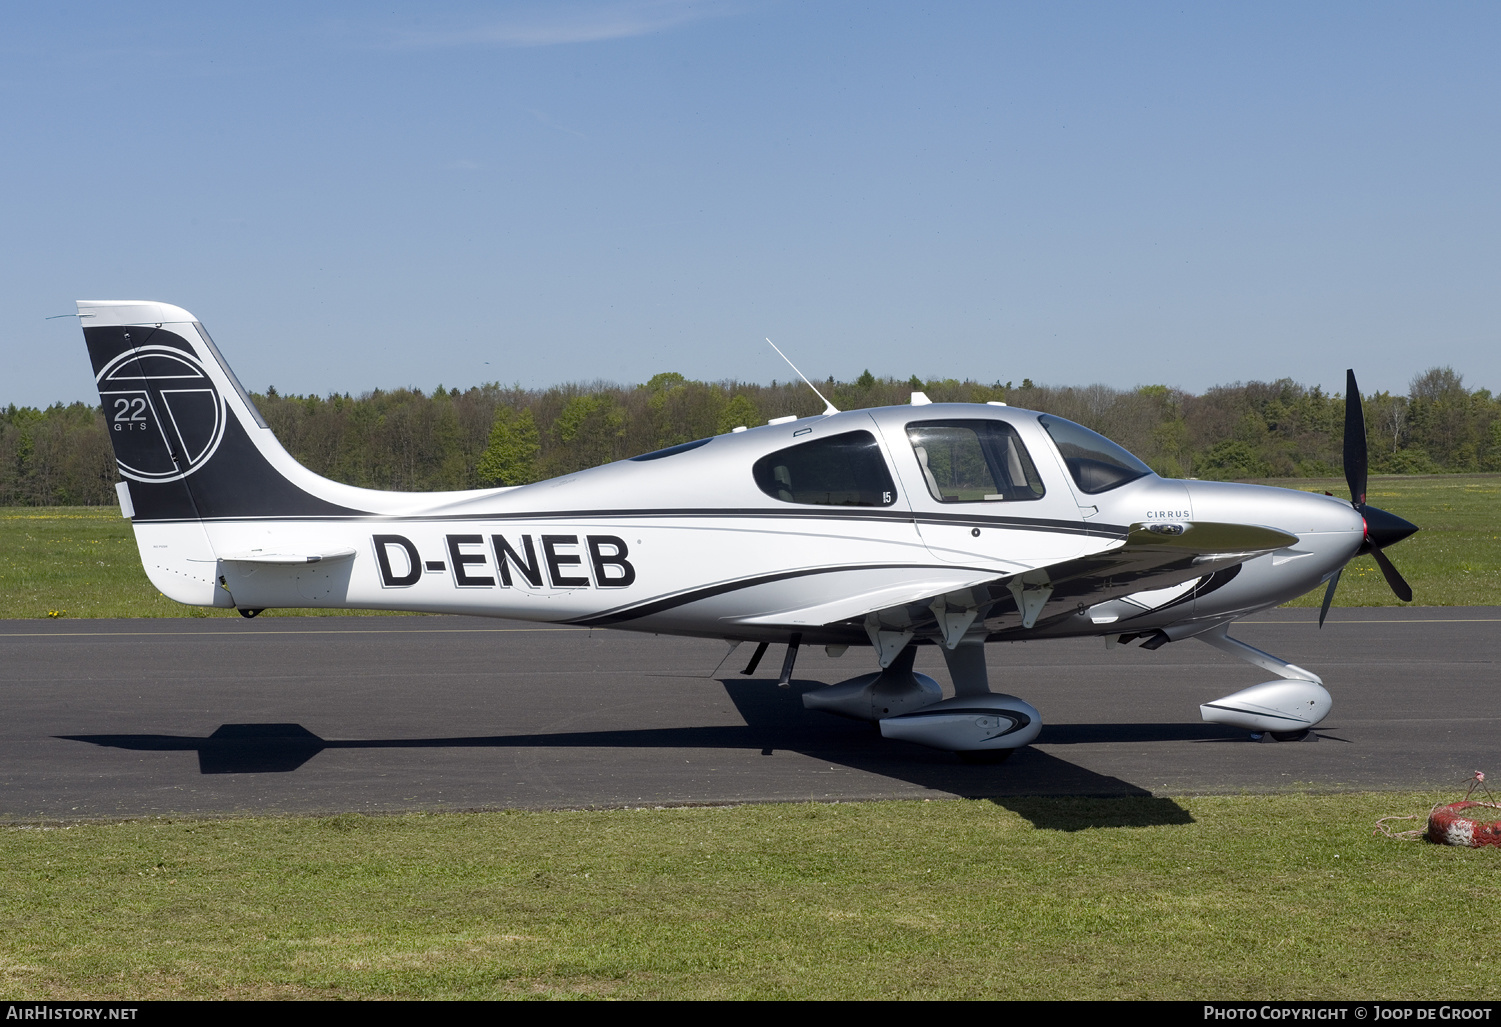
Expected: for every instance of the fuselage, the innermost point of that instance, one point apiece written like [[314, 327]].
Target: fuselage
[[948, 524], [738, 535]]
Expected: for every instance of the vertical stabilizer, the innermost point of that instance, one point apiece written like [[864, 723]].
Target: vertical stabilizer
[[202, 472], [186, 436]]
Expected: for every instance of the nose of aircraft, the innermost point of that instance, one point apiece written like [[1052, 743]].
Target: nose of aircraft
[[1335, 530], [1384, 529], [1330, 531], [1303, 514]]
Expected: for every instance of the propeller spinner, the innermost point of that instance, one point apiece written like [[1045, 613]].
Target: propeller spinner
[[1382, 529]]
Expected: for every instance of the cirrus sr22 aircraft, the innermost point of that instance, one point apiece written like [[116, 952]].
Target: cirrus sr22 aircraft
[[937, 524]]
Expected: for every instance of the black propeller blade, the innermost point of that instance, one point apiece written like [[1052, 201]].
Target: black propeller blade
[[1355, 447], [1329, 595], [1396, 581], [1382, 529]]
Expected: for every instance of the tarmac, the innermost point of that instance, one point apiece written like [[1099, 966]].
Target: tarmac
[[210, 716]]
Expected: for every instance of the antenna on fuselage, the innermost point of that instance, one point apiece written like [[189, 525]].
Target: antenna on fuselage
[[828, 408]]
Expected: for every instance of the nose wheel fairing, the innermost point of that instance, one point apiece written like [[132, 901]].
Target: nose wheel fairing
[[1273, 706], [1291, 705]]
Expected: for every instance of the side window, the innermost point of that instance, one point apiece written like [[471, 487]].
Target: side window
[[973, 461], [841, 470]]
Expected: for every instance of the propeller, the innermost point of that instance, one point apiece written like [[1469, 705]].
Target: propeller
[[1382, 529]]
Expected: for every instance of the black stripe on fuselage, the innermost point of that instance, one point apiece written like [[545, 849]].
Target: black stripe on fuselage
[[645, 608], [1213, 583], [820, 514]]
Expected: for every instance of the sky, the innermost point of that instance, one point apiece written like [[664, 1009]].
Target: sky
[[355, 196]]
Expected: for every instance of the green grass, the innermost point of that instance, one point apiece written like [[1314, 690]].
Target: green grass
[[1253, 897], [83, 562], [1266, 897]]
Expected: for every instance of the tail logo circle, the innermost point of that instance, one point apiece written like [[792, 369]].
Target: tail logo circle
[[163, 411]]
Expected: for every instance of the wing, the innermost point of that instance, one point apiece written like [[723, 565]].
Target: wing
[[918, 589], [1152, 556]]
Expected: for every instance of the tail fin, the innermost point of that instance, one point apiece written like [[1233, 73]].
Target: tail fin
[[186, 436]]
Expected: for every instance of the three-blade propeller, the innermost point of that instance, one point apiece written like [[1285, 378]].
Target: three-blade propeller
[[1382, 529]]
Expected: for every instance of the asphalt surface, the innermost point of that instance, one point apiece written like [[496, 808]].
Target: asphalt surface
[[213, 716]]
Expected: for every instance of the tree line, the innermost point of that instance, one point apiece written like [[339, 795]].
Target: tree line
[[488, 435]]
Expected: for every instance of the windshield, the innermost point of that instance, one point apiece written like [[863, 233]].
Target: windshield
[[1097, 464]]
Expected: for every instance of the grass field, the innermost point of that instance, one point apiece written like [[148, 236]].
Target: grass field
[[1251, 897], [82, 561], [1267, 897]]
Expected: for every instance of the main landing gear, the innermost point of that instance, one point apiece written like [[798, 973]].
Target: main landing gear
[[978, 724]]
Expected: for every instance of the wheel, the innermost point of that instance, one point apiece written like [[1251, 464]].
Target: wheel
[[1290, 736]]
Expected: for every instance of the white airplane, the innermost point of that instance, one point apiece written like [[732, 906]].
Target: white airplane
[[931, 524]]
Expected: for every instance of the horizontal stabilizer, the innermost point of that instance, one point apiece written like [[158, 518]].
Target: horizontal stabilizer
[[290, 555]]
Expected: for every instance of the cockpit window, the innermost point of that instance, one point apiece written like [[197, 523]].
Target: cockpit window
[[1097, 464], [841, 470], [973, 461]]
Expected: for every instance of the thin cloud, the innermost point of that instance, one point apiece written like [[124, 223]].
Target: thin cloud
[[558, 25]]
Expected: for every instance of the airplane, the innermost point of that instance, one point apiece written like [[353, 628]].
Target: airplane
[[943, 524]]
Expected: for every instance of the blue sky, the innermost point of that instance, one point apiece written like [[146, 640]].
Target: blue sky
[[354, 196]]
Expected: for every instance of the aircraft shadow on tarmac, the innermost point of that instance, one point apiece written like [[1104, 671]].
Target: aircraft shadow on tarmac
[[775, 719]]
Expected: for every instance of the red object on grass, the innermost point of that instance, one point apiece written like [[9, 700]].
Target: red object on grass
[[1449, 825]]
